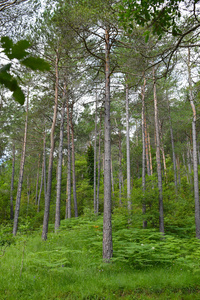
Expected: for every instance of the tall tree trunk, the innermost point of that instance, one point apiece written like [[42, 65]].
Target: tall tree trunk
[[60, 157], [37, 181], [50, 168], [150, 156], [68, 196], [107, 224], [128, 150], [173, 148], [73, 169], [195, 162], [162, 149], [99, 165], [21, 173], [112, 180], [159, 171], [143, 154], [12, 185], [41, 184], [146, 146], [95, 157], [44, 160]]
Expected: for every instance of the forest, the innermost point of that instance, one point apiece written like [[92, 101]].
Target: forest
[[99, 149]]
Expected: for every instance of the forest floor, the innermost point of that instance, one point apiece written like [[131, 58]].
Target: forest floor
[[69, 264]]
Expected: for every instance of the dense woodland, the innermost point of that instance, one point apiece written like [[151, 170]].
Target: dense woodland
[[99, 115]]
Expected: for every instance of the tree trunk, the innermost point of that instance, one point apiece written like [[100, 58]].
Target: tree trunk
[[143, 153], [37, 181], [150, 156], [50, 168], [146, 146], [73, 168], [159, 171], [107, 224], [173, 148], [41, 184], [195, 161], [99, 165], [128, 150], [21, 173], [60, 156], [162, 149], [68, 200], [12, 185], [95, 158]]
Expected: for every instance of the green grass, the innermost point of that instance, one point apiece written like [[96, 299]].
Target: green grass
[[69, 264]]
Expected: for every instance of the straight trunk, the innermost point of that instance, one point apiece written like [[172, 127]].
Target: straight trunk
[[68, 196], [73, 169], [143, 153], [60, 157], [99, 166], [37, 180], [50, 168], [173, 148], [128, 150], [95, 158], [41, 184], [107, 224], [150, 156], [195, 161], [21, 173], [158, 160], [146, 146], [12, 185]]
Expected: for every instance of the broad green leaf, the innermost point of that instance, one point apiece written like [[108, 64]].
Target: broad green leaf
[[5, 68], [36, 63], [6, 44], [18, 50], [19, 95]]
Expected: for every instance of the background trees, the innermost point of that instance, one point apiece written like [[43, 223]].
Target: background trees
[[98, 65]]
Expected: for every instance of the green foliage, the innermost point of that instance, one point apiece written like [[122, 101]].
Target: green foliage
[[159, 14], [69, 264], [18, 51]]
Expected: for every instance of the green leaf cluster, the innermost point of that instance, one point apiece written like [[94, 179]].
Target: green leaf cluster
[[18, 51]]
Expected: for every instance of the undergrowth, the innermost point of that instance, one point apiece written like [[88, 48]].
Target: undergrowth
[[69, 265]]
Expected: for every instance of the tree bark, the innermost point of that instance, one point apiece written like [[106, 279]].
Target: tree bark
[[158, 160], [73, 168], [37, 180], [50, 168], [107, 224], [60, 156], [41, 184], [99, 165], [195, 160], [21, 173], [12, 185], [143, 154], [128, 150], [95, 157], [68, 200], [173, 148]]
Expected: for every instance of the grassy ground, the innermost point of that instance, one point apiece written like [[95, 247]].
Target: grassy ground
[[69, 266]]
